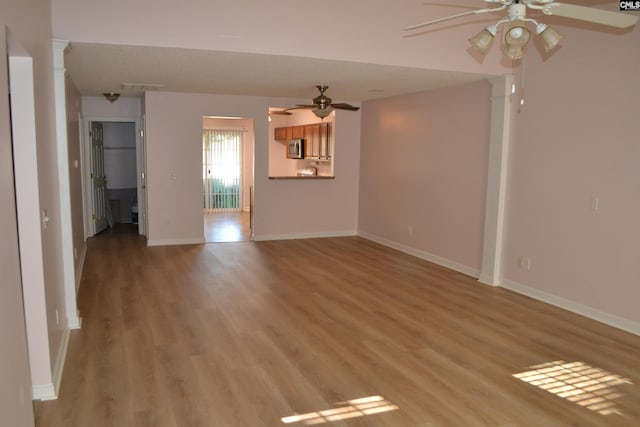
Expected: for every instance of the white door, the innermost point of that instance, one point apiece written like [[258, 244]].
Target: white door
[[98, 180]]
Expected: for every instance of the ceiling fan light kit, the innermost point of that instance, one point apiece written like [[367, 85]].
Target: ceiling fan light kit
[[322, 105], [483, 40], [550, 37], [516, 33], [323, 112]]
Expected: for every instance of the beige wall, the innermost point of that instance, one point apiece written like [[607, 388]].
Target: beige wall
[[74, 107], [576, 138], [15, 382], [283, 209], [424, 172], [573, 141], [30, 25], [361, 30]]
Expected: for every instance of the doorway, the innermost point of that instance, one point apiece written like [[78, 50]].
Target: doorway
[[116, 159], [227, 177]]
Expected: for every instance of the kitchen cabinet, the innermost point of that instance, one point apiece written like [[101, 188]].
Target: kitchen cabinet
[[317, 142], [288, 133], [324, 152], [297, 132], [280, 134], [311, 141]]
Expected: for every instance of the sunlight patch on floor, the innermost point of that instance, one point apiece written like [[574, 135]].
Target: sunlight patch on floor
[[577, 382], [349, 409]]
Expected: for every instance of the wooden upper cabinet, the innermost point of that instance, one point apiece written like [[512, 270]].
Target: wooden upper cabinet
[[324, 142], [312, 141], [280, 134], [316, 136], [297, 132], [288, 133]]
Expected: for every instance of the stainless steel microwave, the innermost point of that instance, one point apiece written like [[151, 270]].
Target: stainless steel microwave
[[295, 149]]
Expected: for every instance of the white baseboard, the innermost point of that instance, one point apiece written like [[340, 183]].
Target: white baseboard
[[583, 310], [80, 266], [58, 367], [50, 391], [44, 392], [460, 268], [173, 242], [313, 235]]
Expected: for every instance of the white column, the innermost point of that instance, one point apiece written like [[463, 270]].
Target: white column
[[491, 273], [59, 47]]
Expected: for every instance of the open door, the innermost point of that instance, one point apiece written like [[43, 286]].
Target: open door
[[98, 179]]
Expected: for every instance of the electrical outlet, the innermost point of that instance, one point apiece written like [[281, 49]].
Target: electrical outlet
[[410, 230]]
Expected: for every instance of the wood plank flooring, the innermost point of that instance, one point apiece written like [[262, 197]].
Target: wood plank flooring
[[227, 227], [246, 334]]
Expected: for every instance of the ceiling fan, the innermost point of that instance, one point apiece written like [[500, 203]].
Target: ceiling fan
[[322, 105], [516, 33]]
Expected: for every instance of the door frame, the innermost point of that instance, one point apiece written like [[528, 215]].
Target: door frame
[[86, 153]]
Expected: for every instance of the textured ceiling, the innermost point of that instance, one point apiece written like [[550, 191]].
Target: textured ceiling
[[99, 68]]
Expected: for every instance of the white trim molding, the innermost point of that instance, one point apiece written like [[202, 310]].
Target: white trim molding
[[312, 235], [50, 391], [174, 242], [59, 47], [583, 310], [444, 262], [496, 180], [80, 266]]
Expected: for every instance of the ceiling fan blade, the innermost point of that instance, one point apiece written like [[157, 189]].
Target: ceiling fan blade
[[591, 14], [280, 112], [459, 15], [300, 107], [343, 106]]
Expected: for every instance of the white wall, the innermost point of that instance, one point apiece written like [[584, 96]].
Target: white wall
[[283, 209]]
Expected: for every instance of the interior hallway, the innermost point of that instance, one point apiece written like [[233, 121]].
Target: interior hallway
[[340, 331]]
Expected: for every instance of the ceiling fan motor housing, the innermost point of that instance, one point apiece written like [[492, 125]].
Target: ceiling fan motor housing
[[322, 101], [517, 11]]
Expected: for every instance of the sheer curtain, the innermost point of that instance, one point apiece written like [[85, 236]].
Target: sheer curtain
[[221, 170]]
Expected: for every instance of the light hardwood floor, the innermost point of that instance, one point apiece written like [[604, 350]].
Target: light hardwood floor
[[245, 334], [227, 227]]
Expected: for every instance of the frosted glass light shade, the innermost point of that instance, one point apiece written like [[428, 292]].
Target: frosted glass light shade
[[516, 34], [323, 112], [550, 37], [513, 52], [482, 40]]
